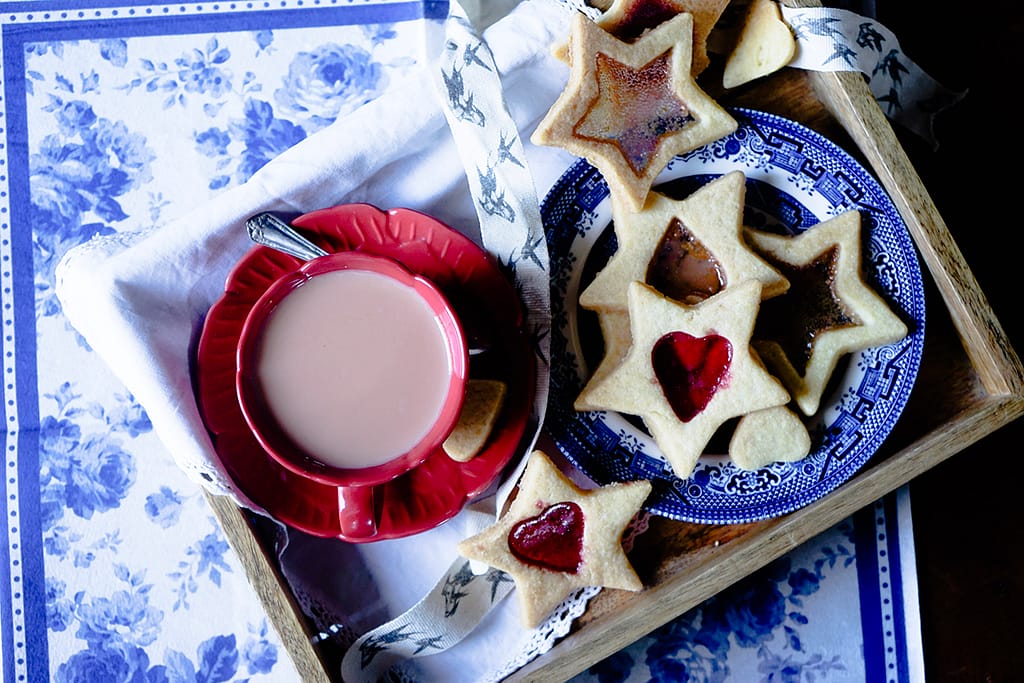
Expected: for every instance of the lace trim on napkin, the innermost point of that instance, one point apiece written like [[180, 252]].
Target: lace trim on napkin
[[94, 256], [544, 637]]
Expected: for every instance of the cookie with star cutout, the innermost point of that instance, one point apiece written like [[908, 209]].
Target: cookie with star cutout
[[556, 537], [627, 20], [688, 249], [689, 369], [629, 108], [829, 310]]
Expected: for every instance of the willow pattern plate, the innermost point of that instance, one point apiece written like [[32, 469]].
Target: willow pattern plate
[[795, 179]]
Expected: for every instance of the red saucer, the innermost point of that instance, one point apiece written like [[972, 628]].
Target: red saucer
[[490, 311]]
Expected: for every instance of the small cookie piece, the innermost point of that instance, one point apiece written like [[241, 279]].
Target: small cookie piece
[[480, 409], [629, 108], [689, 369], [707, 253], [766, 44], [829, 310], [556, 537], [770, 435], [627, 20]]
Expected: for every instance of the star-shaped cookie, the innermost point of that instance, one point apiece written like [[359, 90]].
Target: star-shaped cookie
[[629, 108], [828, 311], [689, 369], [615, 334], [709, 223], [556, 537], [627, 20]]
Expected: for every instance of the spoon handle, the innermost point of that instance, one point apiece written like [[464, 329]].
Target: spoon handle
[[271, 231]]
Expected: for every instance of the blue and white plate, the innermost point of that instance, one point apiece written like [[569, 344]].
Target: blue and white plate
[[795, 178]]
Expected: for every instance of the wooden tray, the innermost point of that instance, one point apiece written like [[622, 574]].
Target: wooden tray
[[971, 383]]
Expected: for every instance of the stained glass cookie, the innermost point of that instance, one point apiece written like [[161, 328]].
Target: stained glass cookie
[[629, 108], [615, 334], [556, 537], [828, 311], [687, 249], [689, 369], [627, 20]]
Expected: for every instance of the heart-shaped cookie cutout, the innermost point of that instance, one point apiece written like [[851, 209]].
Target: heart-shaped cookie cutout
[[690, 370], [551, 540]]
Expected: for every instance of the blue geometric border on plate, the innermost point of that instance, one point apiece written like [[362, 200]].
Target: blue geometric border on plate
[[796, 178]]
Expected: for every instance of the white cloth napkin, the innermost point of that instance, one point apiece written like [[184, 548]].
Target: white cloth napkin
[[139, 298]]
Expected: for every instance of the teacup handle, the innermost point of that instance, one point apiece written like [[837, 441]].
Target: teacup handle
[[357, 512]]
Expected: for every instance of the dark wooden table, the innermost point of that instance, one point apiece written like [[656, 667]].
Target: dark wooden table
[[968, 511]]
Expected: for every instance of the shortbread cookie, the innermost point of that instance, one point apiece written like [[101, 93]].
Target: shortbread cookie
[[615, 332], [688, 250], [627, 20], [556, 537], [689, 369], [629, 108], [766, 436], [480, 409], [765, 45], [828, 311]]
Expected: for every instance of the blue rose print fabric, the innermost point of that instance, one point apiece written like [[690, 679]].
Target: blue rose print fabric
[[117, 569], [115, 116], [790, 622]]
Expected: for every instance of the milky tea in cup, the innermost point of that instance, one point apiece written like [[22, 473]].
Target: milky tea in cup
[[351, 370]]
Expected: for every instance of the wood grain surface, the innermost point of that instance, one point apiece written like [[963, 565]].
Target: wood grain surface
[[958, 441]]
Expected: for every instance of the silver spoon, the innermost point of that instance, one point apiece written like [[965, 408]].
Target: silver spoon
[[270, 231]]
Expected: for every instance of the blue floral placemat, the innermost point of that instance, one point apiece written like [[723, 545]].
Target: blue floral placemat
[[841, 607], [114, 117]]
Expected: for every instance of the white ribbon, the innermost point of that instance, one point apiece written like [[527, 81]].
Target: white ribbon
[[500, 182], [506, 203], [445, 616], [840, 40]]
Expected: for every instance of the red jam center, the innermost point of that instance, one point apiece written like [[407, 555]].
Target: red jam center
[[690, 370], [796, 319], [551, 540], [635, 109], [683, 269]]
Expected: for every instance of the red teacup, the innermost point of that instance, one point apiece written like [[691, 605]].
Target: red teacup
[[351, 371]]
